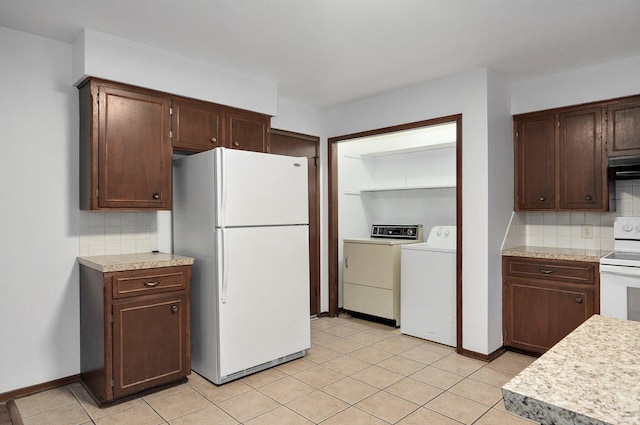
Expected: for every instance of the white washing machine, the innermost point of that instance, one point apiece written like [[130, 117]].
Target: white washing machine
[[428, 287]]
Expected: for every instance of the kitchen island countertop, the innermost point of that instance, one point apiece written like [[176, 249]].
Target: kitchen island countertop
[[591, 377], [124, 262], [571, 254]]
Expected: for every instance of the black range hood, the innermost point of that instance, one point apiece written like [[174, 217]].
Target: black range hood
[[624, 167]]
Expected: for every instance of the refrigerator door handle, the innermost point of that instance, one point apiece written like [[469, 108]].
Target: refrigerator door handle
[[221, 180], [225, 267]]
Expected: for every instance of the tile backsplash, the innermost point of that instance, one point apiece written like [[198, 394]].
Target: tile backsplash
[[581, 230], [109, 233]]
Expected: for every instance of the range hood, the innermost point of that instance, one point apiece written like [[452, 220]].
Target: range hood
[[624, 167]]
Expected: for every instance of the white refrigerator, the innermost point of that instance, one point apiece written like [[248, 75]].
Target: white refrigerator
[[243, 216]]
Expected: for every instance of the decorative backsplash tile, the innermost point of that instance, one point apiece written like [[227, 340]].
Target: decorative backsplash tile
[[590, 230], [110, 233]]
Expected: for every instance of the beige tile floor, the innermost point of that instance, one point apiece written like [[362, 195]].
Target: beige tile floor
[[356, 372]]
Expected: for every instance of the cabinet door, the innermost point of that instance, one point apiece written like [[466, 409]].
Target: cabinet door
[[196, 126], [539, 314], [150, 342], [580, 160], [535, 163], [134, 149], [247, 131], [623, 128]]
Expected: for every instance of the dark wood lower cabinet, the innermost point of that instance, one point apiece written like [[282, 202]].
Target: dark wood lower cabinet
[[544, 300], [134, 330]]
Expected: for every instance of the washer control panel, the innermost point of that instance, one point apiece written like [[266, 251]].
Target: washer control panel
[[442, 235]]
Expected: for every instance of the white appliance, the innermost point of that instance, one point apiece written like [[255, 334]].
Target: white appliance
[[620, 272], [428, 287], [243, 216], [371, 271]]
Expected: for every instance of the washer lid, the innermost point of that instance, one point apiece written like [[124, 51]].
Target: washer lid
[[426, 246]]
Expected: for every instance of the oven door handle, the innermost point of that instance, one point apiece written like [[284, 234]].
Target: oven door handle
[[621, 270]]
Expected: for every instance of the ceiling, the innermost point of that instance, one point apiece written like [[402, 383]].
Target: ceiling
[[326, 52]]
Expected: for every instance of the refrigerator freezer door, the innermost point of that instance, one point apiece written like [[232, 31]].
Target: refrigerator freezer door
[[263, 295], [258, 189]]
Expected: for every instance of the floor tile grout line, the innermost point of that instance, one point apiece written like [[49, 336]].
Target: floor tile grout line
[[50, 408], [349, 372], [81, 405]]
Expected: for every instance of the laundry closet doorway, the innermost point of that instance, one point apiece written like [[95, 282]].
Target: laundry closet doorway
[[405, 174]]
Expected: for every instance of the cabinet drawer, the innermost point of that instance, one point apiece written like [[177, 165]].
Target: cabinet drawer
[[149, 281], [566, 271]]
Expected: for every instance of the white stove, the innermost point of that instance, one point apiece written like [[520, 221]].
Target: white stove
[[620, 272]]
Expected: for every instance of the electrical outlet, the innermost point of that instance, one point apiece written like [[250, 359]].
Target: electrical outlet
[[587, 231]]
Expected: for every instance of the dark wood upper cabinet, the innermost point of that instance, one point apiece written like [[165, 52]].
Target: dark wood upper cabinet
[[247, 130], [561, 155], [196, 126], [199, 126], [127, 137], [580, 165], [623, 127], [560, 161], [535, 166], [125, 147]]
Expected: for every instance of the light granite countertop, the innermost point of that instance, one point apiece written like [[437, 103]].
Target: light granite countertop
[[588, 255], [124, 262], [591, 377]]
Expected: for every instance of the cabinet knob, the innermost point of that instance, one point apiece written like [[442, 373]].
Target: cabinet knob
[[156, 196], [236, 143], [174, 308], [214, 140], [579, 300], [588, 197], [542, 198]]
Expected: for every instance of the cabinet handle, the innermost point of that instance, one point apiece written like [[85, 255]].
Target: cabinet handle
[[156, 196], [151, 284], [542, 198], [236, 143], [579, 300], [346, 262], [174, 308], [214, 140], [588, 197], [547, 271]]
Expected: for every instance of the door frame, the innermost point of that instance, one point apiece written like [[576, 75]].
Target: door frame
[[333, 209], [316, 261]]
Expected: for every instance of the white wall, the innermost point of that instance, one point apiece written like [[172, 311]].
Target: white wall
[[39, 337], [466, 94], [500, 201], [599, 82], [102, 55]]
